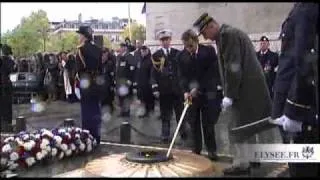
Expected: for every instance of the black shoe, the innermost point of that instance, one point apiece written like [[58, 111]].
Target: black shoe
[[255, 164], [236, 171], [213, 156], [196, 152]]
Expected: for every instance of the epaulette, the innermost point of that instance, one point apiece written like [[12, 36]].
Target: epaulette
[[160, 64]]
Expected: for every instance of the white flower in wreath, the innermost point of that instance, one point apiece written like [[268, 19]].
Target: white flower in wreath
[[69, 129], [25, 137], [44, 153], [29, 145], [57, 139], [88, 142], [68, 152], [82, 147], [3, 161], [68, 134], [61, 131], [72, 147], [64, 147], [89, 148], [77, 136], [39, 156], [14, 156], [48, 133], [13, 166], [44, 143], [54, 152], [37, 136], [78, 130], [86, 131], [6, 148], [30, 161], [8, 139], [61, 155], [48, 149]]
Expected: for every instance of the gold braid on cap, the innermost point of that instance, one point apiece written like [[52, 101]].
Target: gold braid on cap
[[80, 54], [160, 64]]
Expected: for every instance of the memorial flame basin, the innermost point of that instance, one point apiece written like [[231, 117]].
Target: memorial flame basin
[[150, 164]]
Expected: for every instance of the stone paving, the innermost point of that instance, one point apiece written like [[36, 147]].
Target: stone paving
[[148, 133]]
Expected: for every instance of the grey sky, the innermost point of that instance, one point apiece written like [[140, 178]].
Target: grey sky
[[11, 13]]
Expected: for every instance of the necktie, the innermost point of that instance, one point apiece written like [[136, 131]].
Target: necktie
[[167, 51]]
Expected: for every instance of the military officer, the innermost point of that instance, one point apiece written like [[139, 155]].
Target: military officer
[[108, 70], [6, 67], [142, 81], [165, 84], [268, 61], [124, 79], [88, 59], [244, 86], [200, 81], [296, 93]]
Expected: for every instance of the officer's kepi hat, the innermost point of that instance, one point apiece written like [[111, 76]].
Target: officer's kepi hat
[[202, 22], [166, 33], [264, 38], [86, 31]]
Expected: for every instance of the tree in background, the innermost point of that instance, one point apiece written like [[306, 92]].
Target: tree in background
[[63, 41], [30, 35], [138, 32], [106, 42]]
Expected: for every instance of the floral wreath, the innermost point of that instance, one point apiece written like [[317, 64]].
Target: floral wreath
[[26, 149]]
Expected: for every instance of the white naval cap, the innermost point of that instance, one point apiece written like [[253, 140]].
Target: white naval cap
[[164, 33]]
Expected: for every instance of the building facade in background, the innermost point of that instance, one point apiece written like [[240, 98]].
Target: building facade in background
[[109, 29], [256, 19]]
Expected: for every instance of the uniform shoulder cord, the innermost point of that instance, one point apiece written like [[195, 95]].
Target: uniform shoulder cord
[[161, 63], [80, 55]]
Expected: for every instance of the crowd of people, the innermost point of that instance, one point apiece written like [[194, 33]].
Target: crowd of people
[[249, 85]]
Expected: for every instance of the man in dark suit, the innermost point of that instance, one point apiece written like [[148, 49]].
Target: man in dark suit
[[108, 71], [88, 59], [165, 84], [142, 81], [124, 79], [268, 61], [200, 81], [296, 86]]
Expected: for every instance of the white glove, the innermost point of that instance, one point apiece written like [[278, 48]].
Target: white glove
[[156, 94], [289, 125], [134, 91], [226, 102]]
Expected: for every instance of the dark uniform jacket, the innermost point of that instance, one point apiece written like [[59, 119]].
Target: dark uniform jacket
[[109, 71], [88, 60], [300, 50], [203, 71], [164, 77], [268, 61], [142, 76], [125, 70]]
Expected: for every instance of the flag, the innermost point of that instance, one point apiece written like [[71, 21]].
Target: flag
[[144, 8]]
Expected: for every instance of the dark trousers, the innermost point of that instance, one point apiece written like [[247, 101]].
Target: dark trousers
[[147, 98], [108, 100], [168, 104], [206, 111], [124, 103], [91, 115]]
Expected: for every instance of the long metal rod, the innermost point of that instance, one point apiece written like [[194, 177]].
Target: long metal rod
[[178, 127]]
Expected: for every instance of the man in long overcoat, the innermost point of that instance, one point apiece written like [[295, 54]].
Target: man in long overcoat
[[246, 96]]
